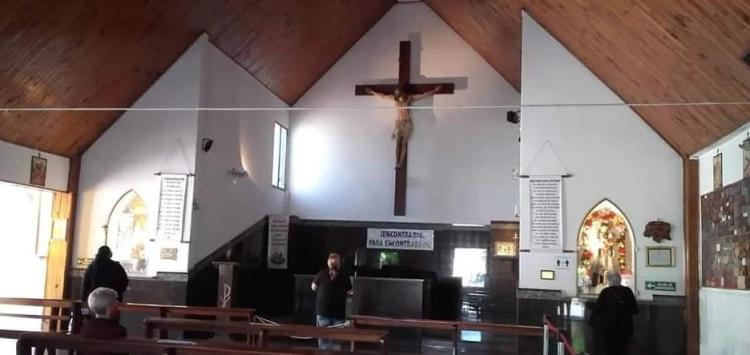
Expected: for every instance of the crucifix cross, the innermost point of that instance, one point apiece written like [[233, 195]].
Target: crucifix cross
[[403, 94]]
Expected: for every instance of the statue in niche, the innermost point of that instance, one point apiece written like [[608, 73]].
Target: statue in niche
[[604, 244], [127, 233]]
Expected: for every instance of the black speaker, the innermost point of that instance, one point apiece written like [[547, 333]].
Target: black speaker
[[206, 144], [513, 117]]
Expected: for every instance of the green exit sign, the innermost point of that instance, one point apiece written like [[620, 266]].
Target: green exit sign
[[661, 286]]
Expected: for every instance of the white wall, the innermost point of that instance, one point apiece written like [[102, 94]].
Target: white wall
[[15, 166], [610, 152], [460, 161], [136, 147], [242, 140], [723, 312]]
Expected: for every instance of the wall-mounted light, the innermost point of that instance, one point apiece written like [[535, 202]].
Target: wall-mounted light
[[745, 145], [236, 174]]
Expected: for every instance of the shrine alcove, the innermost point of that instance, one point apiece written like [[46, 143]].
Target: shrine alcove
[[127, 232], [605, 243]]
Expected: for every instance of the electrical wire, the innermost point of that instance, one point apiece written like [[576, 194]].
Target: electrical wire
[[340, 108]]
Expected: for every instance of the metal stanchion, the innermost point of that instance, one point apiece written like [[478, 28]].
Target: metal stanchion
[[560, 348], [545, 339]]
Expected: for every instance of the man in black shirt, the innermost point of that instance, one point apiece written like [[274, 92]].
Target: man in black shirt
[[104, 272], [331, 288]]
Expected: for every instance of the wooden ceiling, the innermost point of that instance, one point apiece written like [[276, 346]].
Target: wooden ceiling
[[647, 51], [288, 44], [89, 53], [93, 53]]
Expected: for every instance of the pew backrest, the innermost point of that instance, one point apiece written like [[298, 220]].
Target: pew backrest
[[454, 327], [163, 310], [513, 329], [29, 342], [263, 331], [56, 314]]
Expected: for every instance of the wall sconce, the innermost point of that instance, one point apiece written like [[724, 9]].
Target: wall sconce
[[745, 145], [236, 174]]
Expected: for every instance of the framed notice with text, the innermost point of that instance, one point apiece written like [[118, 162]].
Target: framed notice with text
[[172, 207], [660, 256], [545, 202], [278, 241]]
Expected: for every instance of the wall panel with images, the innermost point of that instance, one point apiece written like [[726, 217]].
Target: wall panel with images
[[725, 221]]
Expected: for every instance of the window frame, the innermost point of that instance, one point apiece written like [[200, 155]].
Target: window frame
[[279, 170]]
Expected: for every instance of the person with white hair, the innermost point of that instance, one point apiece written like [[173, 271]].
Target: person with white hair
[[103, 304], [612, 317]]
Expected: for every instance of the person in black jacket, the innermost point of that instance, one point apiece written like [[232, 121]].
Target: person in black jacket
[[104, 272], [613, 317], [331, 288]]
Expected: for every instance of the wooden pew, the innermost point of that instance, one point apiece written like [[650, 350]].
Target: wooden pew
[[27, 342], [31, 341], [264, 331], [454, 327], [178, 311], [424, 324], [56, 314], [511, 329], [170, 311]]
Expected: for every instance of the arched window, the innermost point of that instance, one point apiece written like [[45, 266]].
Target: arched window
[[127, 232], [605, 243]]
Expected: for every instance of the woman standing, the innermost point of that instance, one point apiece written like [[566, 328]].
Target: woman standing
[[612, 317]]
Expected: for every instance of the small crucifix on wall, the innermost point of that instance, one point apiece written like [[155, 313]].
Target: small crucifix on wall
[[403, 94]]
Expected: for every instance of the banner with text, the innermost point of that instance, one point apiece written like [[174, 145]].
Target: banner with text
[[172, 207], [406, 239], [278, 241], [545, 200]]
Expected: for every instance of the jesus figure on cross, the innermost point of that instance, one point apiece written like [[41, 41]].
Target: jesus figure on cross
[[403, 125], [403, 94]]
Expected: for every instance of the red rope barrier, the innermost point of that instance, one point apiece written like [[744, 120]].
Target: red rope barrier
[[561, 336]]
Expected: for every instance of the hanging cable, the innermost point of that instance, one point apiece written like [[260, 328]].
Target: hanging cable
[[340, 108]]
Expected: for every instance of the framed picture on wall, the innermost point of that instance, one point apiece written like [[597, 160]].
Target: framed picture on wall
[[717, 172], [38, 171], [745, 146], [660, 256]]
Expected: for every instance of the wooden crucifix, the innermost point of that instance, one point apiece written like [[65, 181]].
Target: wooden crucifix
[[403, 94]]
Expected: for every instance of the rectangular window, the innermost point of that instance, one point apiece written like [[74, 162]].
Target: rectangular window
[[278, 177], [470, 264]]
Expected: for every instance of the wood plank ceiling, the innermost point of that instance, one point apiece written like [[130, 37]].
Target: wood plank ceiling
[[93, 53], [78, 53], [647, 51]]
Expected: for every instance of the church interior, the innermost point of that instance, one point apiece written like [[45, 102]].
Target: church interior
[[430, 176]]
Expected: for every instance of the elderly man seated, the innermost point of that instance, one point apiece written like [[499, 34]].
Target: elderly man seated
[[103, 303]]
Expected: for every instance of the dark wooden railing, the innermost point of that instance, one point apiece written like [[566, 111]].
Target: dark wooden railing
[[172, 311], [453, 327], [59, 313], [28, 342], [56, 314], [258, 334], [231, 250]]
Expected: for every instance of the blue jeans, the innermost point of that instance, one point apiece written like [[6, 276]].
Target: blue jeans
[[323, 321]]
